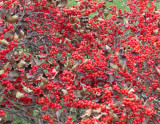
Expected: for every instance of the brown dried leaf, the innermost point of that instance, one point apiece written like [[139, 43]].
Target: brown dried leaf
[[35, 61], [113, 115], [1, 99], [26, 89], [3, 14], [106, 14], [29, 113], [54, 70], [97, 110], [62, 4], [39, 121], [122, 62], [126, 22], [65, 92], [28, 68], [41, 56], [58, 114], [84, 93], [88, 113], [85, 61], [69, 63], [137, 98], [120, 51], [14, 73], [108, 49], [98, 117], [30, 76], [44, 80], [83, 10], [74, 67], [77, 94], [135, 53], [120, 79], [158, 70], [7, 122], [5, 67], [111, 78], [123, 59], [81, 31]]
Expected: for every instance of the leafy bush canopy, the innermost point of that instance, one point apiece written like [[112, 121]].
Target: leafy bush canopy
[[58, 65]]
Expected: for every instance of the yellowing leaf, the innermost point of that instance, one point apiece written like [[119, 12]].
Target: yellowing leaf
[[19, 95], [114, 66], [26, 89], [21, 63], [158, 90], [4, 42], [12, 19], [1, 72], [16, 36], [21, 34], [99, 116]]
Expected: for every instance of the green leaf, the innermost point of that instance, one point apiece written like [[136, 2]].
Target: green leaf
[[35, 112]]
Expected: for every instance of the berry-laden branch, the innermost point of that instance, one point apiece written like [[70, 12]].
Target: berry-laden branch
[[59, 66]]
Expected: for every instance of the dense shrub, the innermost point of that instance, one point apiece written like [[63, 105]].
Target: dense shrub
[[59, 66]]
